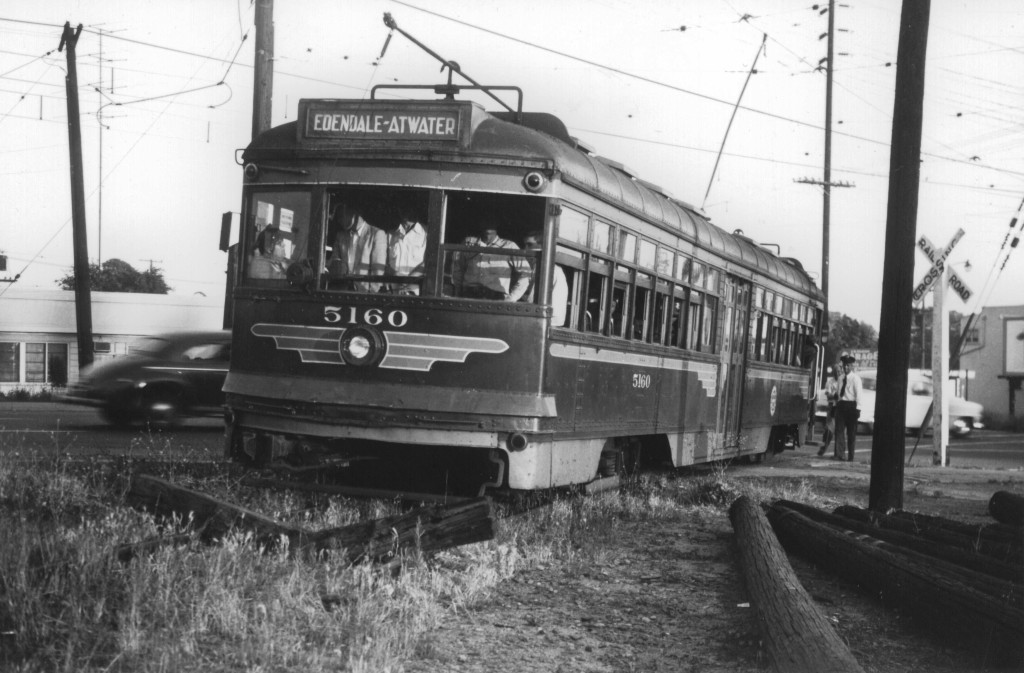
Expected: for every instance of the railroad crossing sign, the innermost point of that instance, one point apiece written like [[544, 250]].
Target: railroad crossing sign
[[938, 259]]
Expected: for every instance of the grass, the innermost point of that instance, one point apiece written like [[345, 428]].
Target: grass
[[67, 603], [25, 395]]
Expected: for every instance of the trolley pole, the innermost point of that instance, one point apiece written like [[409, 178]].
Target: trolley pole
[[888, 443], [83, 305]]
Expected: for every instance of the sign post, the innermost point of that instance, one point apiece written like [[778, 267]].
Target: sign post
[[940, 335]]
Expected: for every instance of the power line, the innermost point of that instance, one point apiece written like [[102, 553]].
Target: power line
[[688, 91]]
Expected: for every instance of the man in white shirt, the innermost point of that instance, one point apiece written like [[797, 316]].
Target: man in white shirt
[[847, 409], [406, 247], [360, 249]]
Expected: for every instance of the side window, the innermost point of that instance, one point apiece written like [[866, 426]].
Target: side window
[[206, 352], [594, 307], [695, 314], [709, 341], [277, 233]]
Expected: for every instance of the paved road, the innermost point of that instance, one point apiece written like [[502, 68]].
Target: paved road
[[80, 431], [75, 430]]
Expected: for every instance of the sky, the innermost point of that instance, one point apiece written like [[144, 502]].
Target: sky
[[166, 101]]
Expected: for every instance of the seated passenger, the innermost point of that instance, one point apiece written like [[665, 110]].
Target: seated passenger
[[406, 247], [360, 249], [269, 258], [483, 276], [559, 287]]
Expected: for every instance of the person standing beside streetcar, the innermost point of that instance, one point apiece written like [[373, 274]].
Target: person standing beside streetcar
[[847, 409]]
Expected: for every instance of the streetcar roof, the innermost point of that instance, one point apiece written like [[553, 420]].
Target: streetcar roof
[[538, 137]]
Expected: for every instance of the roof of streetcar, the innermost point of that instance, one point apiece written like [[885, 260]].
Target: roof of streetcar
[[543, 137]]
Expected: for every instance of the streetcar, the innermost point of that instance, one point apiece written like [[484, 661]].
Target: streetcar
[[644, 331]]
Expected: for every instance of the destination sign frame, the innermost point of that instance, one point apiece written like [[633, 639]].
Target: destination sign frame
[[374, 122]]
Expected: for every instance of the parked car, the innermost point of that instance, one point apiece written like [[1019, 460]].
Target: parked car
[[163, 378], [964, 416]]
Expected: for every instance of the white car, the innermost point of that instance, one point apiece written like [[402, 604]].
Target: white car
[[964, 416]]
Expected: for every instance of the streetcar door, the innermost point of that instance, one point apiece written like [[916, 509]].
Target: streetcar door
[[735, 308]]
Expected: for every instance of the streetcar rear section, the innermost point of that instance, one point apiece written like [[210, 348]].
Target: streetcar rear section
[[596, 323]]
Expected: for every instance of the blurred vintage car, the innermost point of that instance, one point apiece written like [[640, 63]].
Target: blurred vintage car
[[964, 416], [162, 379]]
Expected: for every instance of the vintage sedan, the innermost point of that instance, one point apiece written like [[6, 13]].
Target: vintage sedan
[[162, 379], [964, 415]]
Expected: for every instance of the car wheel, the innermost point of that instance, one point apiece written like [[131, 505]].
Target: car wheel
[[117, 416], [162, 410]]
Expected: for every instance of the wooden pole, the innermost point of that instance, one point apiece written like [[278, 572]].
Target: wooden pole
[[263, 70], [888, 443], [797, 634], [83, 297]]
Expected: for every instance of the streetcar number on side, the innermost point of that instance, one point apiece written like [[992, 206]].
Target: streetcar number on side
[[641, 380]]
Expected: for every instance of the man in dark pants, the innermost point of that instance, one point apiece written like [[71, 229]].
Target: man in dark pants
[[847, 411]]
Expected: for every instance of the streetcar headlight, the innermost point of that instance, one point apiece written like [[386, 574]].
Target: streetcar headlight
[[361, 346], [358, 348], [534, 181]]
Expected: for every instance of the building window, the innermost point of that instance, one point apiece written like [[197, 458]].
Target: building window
[[46, 363], [10, 362], [973, 336]]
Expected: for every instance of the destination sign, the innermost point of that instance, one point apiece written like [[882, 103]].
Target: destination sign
[[362, 121]]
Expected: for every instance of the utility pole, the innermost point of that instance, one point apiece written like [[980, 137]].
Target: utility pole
[[826, 187], [263, 71], [888, 443], [262, 99], [83, 297]]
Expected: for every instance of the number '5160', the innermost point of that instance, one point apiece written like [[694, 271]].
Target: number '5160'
[[641, 380], [353, 315]]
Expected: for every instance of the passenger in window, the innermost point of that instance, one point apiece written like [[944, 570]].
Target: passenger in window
[[559, 286], [269, 258], [360, 249], [483, 276], [406, 247]]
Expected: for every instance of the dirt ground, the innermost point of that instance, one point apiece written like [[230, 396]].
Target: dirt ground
[[671, 597]]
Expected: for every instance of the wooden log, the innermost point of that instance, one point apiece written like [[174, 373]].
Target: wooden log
[[212, 517], [959, 613], [927, 552], [1002, 551], [426, 529], [993, 532], [1007, 508], [798, 636]]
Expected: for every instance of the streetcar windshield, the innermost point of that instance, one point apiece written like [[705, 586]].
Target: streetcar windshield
[[398, 241]]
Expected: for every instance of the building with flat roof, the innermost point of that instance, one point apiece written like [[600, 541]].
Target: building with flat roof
[[38, 334], [994, 357]]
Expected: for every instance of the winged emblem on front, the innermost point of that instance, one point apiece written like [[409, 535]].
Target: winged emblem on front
[[413, 351]]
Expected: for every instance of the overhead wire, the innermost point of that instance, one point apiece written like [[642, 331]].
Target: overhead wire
[[103, 178]]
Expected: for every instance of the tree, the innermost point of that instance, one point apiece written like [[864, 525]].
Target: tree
[[115, 275], [846, 333]]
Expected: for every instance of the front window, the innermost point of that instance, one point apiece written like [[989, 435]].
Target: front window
[[278, 227]]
